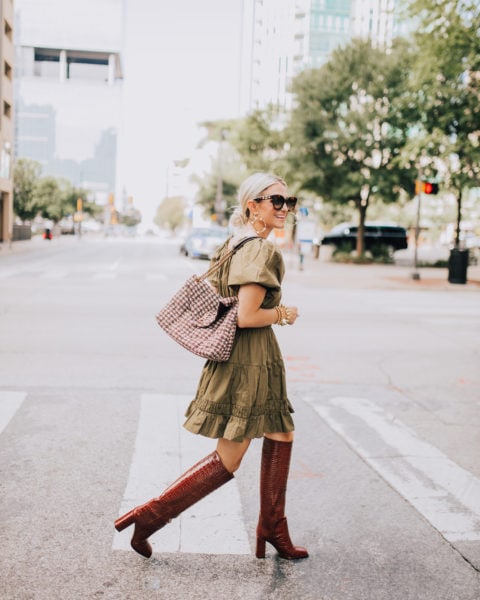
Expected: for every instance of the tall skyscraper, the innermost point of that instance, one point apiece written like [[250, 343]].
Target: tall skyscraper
[[68, 88], [281, 39]]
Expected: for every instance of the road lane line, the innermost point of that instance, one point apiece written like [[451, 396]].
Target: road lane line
[[163, 451], [10, 402], [447, 495]]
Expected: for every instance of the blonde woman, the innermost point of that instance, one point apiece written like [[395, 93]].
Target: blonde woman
[[245, 397]]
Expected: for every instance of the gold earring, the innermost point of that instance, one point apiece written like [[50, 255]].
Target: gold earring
[[257, 217]]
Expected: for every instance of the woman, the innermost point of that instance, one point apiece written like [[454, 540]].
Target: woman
[[245, 397]]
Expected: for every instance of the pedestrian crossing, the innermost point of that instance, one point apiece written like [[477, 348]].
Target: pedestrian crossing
[[163, 451], [444, 493], [95, 273], [447, 495], [10, 402]]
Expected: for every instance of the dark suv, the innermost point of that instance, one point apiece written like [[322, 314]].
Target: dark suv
[[345, 235]]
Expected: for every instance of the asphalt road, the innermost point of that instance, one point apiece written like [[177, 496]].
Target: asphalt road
[[385, 481]]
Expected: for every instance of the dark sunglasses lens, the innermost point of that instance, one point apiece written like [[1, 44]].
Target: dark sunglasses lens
[[277, 202], [291, 203]]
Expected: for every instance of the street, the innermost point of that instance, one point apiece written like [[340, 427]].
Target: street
[[384, 488]]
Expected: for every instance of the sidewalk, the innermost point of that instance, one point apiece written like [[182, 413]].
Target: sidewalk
[[318, 272]]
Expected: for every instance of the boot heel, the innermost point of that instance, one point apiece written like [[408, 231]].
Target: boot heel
[[260, 552], [125, 521]]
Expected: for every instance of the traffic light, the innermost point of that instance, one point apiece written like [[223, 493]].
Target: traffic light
[[426, 187], [430, 187]]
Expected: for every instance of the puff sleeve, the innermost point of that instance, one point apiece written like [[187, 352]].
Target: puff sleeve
[[259, 261]]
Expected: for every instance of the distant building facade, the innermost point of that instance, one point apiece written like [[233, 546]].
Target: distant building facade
[[281, 39], [68, 89], [7, 54]]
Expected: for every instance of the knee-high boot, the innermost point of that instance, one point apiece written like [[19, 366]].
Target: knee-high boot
[[272, 523], [196, 483]]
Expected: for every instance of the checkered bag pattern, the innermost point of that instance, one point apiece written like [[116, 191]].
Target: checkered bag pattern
[[201, 320]]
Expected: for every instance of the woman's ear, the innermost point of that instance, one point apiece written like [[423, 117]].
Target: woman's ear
[[250, 208]]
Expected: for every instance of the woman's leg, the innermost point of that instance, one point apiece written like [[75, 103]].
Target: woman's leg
[[272, 523], [281, 436], [231, 453]]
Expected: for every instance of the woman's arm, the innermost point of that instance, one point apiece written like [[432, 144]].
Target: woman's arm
[[250, 298]]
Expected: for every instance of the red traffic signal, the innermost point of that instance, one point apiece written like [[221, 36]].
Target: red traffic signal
[[430, 188], [426, 187]]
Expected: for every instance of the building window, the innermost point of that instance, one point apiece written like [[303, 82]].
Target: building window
[[7, 109], [7, 30], [7, 70]]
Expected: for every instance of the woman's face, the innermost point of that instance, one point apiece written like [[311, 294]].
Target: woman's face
[[265, 210]]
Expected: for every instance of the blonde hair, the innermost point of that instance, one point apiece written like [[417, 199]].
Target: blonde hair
[[252, 187]]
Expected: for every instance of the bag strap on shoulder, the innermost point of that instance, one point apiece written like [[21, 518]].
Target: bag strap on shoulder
[[226, 257]]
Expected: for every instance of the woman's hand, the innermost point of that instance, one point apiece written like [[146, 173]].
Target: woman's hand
[[292, 314]]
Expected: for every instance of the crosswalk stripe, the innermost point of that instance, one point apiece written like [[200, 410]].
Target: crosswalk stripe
[[10, 402], [163, 451], [447, 495]]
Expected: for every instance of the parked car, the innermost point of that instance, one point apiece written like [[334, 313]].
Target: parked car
[[203, 242], [345, 235]]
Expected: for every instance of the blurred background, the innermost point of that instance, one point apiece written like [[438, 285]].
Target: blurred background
[[127, 117]]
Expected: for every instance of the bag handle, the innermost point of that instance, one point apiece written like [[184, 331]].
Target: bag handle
[[224, 259]]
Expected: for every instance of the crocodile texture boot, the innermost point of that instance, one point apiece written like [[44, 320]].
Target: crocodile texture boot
[[196, 483], [272, 523]]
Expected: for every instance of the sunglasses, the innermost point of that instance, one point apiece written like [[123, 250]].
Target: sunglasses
[[278, 201]]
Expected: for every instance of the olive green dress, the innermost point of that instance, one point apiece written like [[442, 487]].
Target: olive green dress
[[246, 396]]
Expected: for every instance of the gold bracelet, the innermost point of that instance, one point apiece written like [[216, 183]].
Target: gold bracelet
[[282, 315], [279, 315]]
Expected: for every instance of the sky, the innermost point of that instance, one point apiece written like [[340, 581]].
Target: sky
[[182, 66]]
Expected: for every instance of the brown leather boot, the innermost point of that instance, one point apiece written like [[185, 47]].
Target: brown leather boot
[[272, 523], [196, 483]]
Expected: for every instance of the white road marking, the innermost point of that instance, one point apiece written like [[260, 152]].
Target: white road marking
[[10, 402], [163, 451], [447, 495]]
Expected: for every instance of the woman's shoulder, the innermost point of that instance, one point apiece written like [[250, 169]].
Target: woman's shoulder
[[255, 245]]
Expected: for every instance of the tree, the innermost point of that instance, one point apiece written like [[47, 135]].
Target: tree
[[443, 103], [226, 171], [25, 176], [171, 213], [259, 139], [49, 196], [345, 132]]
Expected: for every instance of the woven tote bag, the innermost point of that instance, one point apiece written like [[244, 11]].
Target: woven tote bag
[[201, 320]]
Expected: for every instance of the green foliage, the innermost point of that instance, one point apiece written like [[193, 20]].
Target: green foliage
[[131, 217], [25, 176], [345, 131], [50, 197], [171, 213], [260, 140], [227, 169], [442, 103]]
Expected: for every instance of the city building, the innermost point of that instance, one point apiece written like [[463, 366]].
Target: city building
[[68, 87], [7, 54], [281, 39]]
